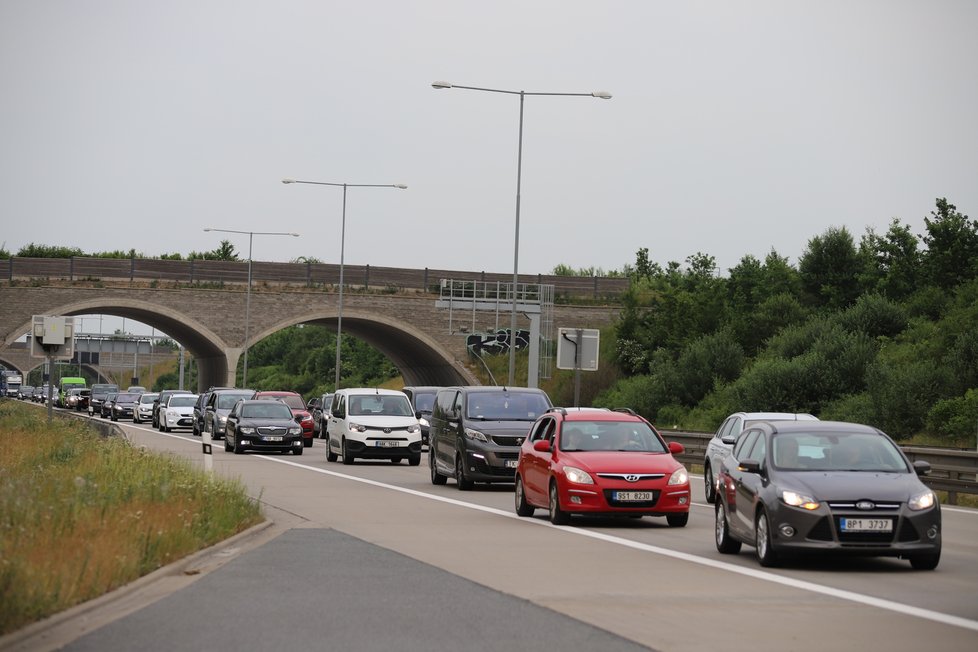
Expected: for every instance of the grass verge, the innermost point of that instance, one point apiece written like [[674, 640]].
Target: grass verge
[[81, 515]]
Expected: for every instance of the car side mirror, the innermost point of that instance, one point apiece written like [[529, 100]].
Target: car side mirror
[[921, 467], [749, 466], [417, 414], [542, 446], [676, 448], [728, 440]]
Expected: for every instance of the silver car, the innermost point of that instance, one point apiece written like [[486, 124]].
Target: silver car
[[726, 436]]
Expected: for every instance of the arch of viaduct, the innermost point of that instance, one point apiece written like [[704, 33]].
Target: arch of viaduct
[[210, 323]]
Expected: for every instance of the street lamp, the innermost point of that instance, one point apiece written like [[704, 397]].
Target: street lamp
[[604, 95], [251, 235], [339, 310]]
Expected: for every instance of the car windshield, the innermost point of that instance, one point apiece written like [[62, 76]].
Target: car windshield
[[293, 401], [506, 406], [227, 401], [148, 398], [378, 404], [424, 402], [127, 397], [837, 451], [182, 400], [632, 436], [266, 410]]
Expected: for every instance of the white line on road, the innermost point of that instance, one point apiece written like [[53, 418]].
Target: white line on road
[[841, 594]]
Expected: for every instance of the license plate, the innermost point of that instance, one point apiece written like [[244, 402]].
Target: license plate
[[866, 524], [388, 444], [511, 464], [632, 496], [273, 438]]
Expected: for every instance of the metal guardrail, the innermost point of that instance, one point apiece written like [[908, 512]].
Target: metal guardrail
[[953, 471]]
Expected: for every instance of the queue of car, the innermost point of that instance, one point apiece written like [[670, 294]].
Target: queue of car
[[785, 484]]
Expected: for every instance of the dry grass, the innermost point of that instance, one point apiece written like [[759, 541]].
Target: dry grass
[[81, 515]]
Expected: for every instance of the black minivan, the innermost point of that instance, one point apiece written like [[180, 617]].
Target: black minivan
[[476, 432]]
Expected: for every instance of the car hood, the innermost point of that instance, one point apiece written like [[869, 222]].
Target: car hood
[[262, 422], [853, 485], [621, 461], [382, 420], [500, 428]]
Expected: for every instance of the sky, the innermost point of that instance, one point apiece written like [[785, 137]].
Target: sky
[[735, 128]]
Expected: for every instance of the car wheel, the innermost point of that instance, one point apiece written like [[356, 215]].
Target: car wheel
[[523, 508], [227, 445], [238, 450], [166, 428], [925, 562], [347, 456], [557, 515], [414, 460], [762, 533], [725, 544], [464, 484], [330, 455], [307, 443], [112, 417], [709, 484], [436, 477], [297, 450], [677, 520]]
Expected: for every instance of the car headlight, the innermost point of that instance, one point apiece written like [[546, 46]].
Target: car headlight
[[222, 420], [413, 428], [921, 501], [578, 476], [476, 435], [679, 476], [356, 427], [246, 430], [424, 422], [306, 418], [295, 431], [796, 499]]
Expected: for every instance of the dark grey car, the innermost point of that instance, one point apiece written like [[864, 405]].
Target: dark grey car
[[219, 404], [796, 487], [476, 432], [423, 400]]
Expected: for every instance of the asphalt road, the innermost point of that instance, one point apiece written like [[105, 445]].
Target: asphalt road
[[374, 557]]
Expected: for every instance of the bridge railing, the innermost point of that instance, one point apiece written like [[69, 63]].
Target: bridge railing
[[953, 471], [199, 271]]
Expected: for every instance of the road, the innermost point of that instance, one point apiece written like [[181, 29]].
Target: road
[[373, 556]]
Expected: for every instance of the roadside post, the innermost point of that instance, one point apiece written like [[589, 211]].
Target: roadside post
[[52, 338], [208, 455]]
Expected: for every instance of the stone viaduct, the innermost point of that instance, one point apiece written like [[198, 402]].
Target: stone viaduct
[[425, 343]]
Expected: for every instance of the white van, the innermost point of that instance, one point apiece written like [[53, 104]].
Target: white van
[[373, 424]]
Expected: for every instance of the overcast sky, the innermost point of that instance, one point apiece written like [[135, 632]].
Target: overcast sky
[[735, 127]]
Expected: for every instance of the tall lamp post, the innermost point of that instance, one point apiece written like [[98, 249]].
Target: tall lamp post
[[339, 310], [604, 95], [251, 236]]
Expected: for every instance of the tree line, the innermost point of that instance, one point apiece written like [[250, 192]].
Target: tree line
[[882, 332]]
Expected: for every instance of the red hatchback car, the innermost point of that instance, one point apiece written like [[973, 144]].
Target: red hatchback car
[[602, 462], [294, 400]]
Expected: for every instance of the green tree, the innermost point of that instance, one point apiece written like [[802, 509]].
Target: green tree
[[830, 269], [893, 261], [952, 246]]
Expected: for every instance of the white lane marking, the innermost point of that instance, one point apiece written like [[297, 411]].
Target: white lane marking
[[841, 594]]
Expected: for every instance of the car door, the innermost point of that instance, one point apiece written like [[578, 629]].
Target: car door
[[536, 464], [748, 484], [442, 436], [337, 421]]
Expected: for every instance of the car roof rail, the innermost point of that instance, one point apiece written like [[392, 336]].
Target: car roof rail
[[626, 410]]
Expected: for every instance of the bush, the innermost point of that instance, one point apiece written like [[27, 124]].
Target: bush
[[875, 316], [956, 419]]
